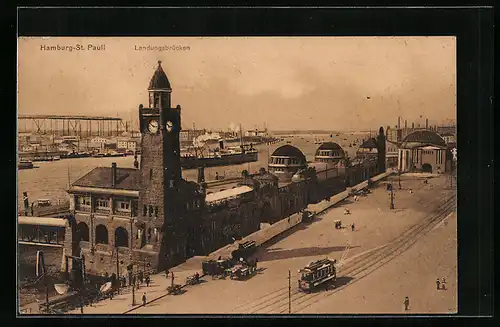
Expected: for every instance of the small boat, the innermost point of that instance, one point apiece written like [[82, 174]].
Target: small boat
[[25, 164]]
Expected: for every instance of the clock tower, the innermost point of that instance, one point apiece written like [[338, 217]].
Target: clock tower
[[160, 126]]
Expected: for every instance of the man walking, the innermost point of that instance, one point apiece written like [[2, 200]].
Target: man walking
[[148, 280], [443, 283], [144, 299], [438, 283], [406, 303], [352, 227]]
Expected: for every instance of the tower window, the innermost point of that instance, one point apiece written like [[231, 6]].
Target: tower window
[[151, 174], [156, 211], [150, 211], [145, 213]]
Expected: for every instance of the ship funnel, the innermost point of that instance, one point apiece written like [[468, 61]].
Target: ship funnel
[[221, 144]]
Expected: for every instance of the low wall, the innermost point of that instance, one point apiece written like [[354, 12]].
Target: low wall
[[267, 233]]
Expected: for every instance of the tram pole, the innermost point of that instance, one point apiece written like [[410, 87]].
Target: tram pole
[[289, 292]]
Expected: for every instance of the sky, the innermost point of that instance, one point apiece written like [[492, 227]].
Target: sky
[[285, 83]]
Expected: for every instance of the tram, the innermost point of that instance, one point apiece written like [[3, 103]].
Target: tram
[[317, 273]]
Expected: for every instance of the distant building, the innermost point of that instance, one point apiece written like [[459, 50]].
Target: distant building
[[98, 142], [188, 135], [448, 137], [256, 132], [424, 151], [126, 144]]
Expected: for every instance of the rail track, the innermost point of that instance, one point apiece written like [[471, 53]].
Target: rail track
[[278, 300]]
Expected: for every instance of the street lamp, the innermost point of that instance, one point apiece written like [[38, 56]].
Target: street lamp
[[399, 179], [129, 269]]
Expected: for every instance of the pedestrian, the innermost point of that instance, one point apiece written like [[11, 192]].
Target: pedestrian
[[406, 303], [32, 209], [167, 273], [140, 276], [144, 299], [352, 227], [148, 280], [443, 283], [438, 284]]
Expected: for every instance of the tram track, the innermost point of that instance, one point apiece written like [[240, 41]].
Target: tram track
[[358, 268]]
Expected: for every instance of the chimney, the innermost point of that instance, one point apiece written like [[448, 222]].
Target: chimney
[[412, 125], [426, 123], [221, 144], [406, 124], [399, 122], [113, 174]]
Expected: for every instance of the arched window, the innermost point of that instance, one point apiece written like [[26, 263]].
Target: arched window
[[121, 237], [82, 232], [101, 234]]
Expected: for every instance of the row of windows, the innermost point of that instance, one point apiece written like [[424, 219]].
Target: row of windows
[[330, 153], [427, 152], [285, 161], [120, 205]]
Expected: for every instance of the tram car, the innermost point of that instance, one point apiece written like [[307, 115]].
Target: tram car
[[215, 268], [245, 250], [317, 273]]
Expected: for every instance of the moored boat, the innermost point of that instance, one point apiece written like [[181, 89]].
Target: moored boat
[[25, 164]]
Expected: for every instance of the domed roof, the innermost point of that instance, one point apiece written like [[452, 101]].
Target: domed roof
[[371, 143], [330, 146], [288, 151], [159, 81], [423, 137]]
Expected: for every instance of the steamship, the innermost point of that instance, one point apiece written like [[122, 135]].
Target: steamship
[[220, 158]]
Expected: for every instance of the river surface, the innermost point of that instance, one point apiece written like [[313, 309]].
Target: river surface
[[51, 179]]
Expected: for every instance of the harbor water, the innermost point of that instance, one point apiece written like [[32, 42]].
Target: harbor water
[[50, 179]]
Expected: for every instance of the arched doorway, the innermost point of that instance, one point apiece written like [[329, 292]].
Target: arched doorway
[[101, 234], [427, 168], [82, 232], [121, 237]]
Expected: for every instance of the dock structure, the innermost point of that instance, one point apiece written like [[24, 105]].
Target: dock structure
[[71, 125]]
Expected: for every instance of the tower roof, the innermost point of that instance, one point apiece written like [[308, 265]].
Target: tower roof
[[330, 146], [159, 81]]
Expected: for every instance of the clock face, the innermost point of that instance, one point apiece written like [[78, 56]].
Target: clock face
[[169, 126], [153, 126]]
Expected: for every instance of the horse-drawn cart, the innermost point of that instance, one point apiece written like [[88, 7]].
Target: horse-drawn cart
[[193, 279], [174, 289]]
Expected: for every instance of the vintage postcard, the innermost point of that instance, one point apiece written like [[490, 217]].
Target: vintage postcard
[[237, 175]]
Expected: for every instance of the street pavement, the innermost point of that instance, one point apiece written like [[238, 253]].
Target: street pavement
[[375, 226]]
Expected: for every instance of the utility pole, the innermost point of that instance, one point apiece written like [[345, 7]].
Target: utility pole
[[289, 292], [117, 270], [399, 179], [392, 197]]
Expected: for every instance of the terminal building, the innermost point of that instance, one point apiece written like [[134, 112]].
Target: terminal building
[[150, 215], [424, 151]]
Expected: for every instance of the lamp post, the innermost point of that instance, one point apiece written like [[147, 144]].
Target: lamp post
[[129, 268], [392, 197]]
